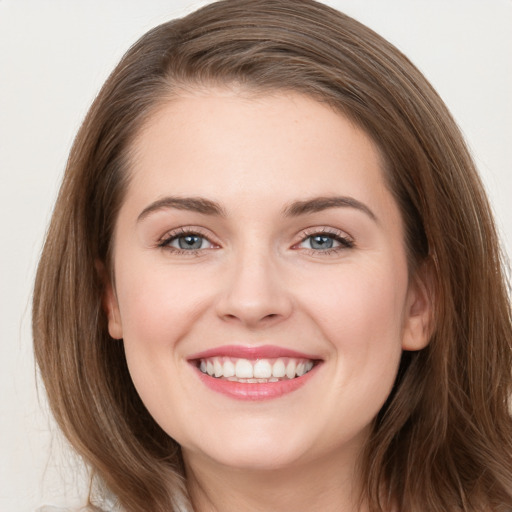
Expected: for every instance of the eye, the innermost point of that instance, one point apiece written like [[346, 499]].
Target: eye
[[183, 241], [189, 242], [325, 241], [319, 242]]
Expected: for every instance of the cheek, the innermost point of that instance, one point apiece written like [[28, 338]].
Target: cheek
[[361, 315], [368, 298], [158, 305]]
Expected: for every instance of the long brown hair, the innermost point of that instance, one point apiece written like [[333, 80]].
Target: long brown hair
[[443, 441]]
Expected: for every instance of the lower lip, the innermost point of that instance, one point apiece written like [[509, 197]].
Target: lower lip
[[255, 391]]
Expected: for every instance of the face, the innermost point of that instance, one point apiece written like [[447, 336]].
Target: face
[[261, 282]]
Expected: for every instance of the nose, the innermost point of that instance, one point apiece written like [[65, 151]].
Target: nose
[[254, 293]]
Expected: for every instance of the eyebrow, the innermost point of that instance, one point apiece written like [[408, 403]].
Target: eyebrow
[[193, 204], [318, 204], [295, 209]]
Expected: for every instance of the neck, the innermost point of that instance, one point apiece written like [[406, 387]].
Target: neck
[[327, 485]]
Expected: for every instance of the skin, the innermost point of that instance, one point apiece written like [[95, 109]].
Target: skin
[[258, 280]]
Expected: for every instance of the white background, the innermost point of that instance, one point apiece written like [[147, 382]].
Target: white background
[[54, 56]]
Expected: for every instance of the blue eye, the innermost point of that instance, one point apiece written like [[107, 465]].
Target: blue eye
[[189, 242], [186, 242], [325, 242], [321, 242]]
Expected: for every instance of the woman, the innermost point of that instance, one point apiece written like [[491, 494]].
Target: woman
[[272, 279]]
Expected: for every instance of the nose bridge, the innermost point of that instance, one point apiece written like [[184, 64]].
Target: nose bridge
[[255, 292]]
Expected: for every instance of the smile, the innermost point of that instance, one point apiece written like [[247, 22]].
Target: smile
[[255, 371]]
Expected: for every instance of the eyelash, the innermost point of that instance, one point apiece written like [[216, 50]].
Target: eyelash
[[164, 243], [338, 236]]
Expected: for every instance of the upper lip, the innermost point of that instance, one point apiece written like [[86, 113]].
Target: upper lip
[[251, 352]]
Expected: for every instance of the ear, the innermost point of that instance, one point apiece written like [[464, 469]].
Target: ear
[[109, 302], [418, 318]]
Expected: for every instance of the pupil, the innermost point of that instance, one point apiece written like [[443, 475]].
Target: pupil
[[321, 242], [190, 242]]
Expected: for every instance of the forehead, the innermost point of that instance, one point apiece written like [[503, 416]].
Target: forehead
[[219, 142]]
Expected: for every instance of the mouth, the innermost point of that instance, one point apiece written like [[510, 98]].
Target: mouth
[[254, 373], [257, 371]]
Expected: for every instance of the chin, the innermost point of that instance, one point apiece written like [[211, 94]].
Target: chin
[[254, 452], [257, 458]]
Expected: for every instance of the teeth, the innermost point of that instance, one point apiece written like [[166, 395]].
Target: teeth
[[243, 369], [290, 369], [261, 370], [217, 367], [279, 369], [253, 381], [229, 369]]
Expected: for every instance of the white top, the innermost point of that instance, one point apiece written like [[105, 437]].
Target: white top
[[105, 505], [51, 508]]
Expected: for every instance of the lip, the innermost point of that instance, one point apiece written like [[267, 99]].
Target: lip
[[253, 391], [252, 352]]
